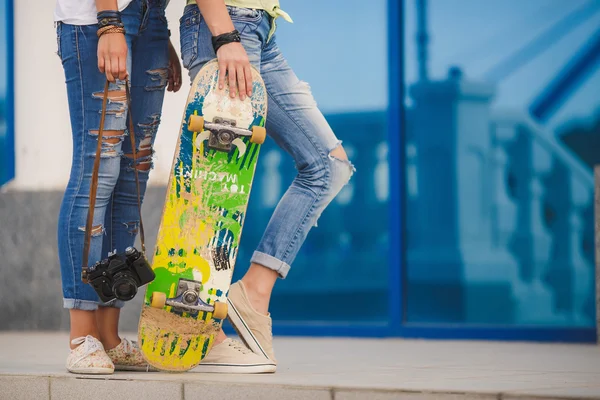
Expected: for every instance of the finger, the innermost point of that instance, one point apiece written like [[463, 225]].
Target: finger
[[177, 71], [248, 72], [114, 66], [241, 81], [171, 83], [101, 64], [177, 79], [232, 82], [173, 72], [108, 70], [222, 72], [122, 67]]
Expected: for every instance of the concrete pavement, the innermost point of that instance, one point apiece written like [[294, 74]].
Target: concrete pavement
[[32, 367]]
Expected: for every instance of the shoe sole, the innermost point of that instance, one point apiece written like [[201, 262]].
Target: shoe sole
[[135, 369], [244, 331], [91, 371], [236, 368]]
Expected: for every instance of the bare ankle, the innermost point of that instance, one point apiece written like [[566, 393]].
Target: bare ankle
[[83, 323], [107, 319], [256, 288], [220, 338], [258, 297], [260, 279], [110, 341]]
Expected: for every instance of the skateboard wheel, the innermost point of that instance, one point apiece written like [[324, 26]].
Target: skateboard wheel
[[259, 133], [158, 300], [196, 123], [220, 311]]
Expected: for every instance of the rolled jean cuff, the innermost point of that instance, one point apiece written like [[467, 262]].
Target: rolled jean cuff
[[89, 305], [85, 305], [271, 262], [114, 304]]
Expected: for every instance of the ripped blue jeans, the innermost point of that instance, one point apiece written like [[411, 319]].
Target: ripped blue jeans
[[116, 217], [294, 122]]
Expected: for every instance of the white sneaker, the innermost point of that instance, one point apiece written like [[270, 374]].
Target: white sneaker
[[89, 357], [127, 356], [232, 357], [254, 328]]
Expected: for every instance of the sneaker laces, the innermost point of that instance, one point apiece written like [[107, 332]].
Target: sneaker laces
[[129, 345], [88, 344], [129, 348], [238, 346]]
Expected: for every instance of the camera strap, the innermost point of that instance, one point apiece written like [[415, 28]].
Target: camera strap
[[94, 183]]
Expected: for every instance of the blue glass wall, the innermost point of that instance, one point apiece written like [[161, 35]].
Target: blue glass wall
[[499, 131], [502, 120], [6, 97]]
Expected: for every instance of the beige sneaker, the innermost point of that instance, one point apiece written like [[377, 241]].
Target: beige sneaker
[[128, 357], [254, 328], [89, 357], [232, 357]]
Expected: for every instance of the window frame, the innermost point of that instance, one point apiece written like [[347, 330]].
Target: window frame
[[7, 158]]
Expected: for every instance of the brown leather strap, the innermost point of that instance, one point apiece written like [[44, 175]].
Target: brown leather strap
[[137, 181], [94, 183]]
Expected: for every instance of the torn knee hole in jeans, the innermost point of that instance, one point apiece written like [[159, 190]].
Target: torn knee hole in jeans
[[113, 95], [132, 227], [144, 150], [338, 179], [144, 165], [110, 141], [143, 160], [339, 154], [97, 230], [149, 130], [118, 96], [158, 79], [116, 101], [143, 153]]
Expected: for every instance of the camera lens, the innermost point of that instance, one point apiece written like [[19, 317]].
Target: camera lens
[[124, 287]]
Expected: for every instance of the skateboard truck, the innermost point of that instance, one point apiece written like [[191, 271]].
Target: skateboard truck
[[187, 299], [222, 133]]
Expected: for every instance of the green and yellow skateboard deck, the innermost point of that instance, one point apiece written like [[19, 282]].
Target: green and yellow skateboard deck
[[202, 220]]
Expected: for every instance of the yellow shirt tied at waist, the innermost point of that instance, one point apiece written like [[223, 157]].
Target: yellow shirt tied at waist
[[270, 6]]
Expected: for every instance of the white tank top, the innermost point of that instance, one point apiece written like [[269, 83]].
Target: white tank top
[[80, 12]]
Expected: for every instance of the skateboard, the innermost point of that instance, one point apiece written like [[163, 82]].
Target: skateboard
[[201, 226]]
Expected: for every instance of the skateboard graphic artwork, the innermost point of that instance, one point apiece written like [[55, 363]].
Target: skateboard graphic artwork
[[201, 226]]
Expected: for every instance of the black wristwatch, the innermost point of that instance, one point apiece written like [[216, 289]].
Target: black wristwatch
[[225, 38]]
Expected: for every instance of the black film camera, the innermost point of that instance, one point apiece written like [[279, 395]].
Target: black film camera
[[120, 275]]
